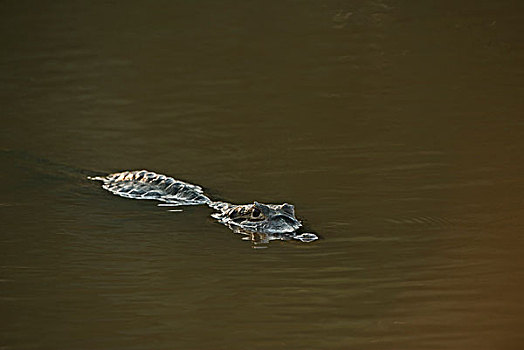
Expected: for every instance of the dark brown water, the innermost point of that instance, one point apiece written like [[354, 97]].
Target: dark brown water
[[395, 127]]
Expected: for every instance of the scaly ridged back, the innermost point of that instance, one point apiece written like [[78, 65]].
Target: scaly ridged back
[[143, 184]]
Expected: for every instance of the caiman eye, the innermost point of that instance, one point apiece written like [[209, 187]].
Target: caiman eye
[[256, 213]]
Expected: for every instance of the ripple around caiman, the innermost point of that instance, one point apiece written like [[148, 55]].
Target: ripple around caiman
[[261, 222]]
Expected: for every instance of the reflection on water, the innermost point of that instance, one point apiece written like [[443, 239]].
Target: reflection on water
[[395, 128]]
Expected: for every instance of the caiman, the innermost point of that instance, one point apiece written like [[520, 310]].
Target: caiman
[[261, 222]]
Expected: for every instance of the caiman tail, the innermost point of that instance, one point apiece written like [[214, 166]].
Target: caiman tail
[[143, 184]]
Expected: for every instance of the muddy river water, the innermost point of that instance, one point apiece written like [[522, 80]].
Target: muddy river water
[[396, 128]]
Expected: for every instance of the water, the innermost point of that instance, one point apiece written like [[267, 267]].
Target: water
[[394, 127]]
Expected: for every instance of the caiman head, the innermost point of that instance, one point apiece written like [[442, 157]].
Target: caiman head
[[262, 222], [263, 218]]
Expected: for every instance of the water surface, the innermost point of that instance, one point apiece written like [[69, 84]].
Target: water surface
[[395, 127]]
